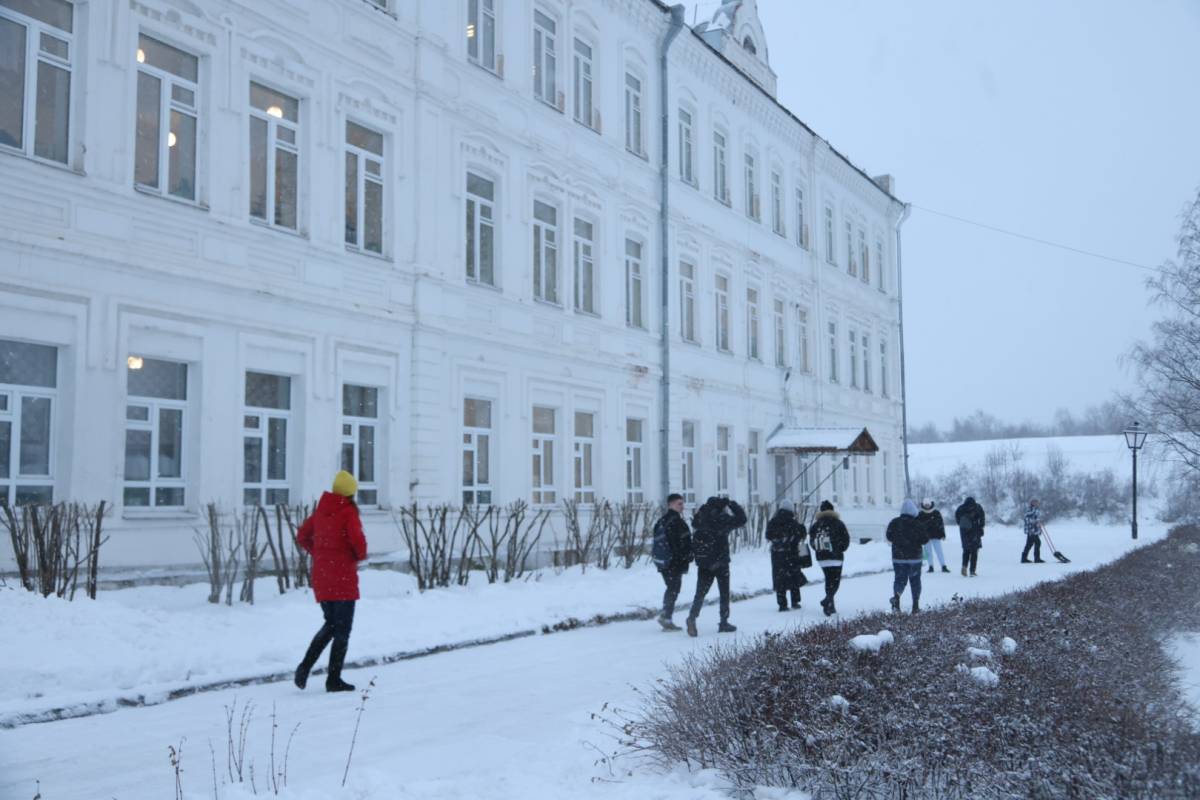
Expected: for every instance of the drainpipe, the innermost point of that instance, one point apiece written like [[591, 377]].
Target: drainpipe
[[664, 430], [903, 382]]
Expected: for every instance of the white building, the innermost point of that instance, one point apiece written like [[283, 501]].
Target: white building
[[244, 242]]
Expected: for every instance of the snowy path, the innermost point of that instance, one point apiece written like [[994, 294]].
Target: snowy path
[[505, 721]]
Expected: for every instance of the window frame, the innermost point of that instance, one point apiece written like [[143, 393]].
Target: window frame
[[721, 454], [635, 464], [778, 226], [753, 471], [544, 489], [583, 459], [154, 406], [33, 59], [753, 204], [853, 336], [851, 261], [166, 105], [265, 484], [274, 145], [864, 255], [721, 166], [780, 313], [583, 83], [722, 316], [635, 127], [544, 246], [753, 324], [545, 59], [15, 394], [476, 31], [688, 330], [884, 389], [368, 490], [803, 343], [802, 237], [473, 204], [635, 277], [687, 145], [362, 178], [472, 493], [583, 264], [832, 328], [830, 236], [687, 459], [864, 343]]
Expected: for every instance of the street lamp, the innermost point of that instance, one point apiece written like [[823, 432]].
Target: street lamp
[[1135, 437]]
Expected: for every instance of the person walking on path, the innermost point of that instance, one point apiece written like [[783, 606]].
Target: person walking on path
[[672, 553], [1033, 533], [829, 539], [970, 519], [786, 535], [935, 526], [711, 527], [908, 536], [333, 536]]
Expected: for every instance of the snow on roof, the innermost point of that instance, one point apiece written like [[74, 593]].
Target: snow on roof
[[823, 440]]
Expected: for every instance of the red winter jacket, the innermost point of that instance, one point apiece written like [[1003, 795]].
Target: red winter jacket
[[334, 537]]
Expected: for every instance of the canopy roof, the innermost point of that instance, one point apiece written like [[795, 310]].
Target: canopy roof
[[855, 441]]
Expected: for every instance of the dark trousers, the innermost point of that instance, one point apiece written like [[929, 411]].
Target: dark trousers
[[907, 574], [970, 559], [339, 619], [781, 595], [704, 582], [674, 582], [1032, 543], [833, 579]]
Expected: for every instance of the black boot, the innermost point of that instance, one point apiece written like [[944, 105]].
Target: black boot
[[725, 627], [315, 648], [931, 567], [337, 657], [896, 603], [916, 607]]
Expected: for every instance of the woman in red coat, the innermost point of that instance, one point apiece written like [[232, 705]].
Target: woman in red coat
[[333, 536]]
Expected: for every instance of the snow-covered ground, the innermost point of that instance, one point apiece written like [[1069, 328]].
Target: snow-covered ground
[[1185, 649], [511, 720]]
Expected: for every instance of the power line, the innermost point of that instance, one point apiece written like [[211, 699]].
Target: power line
[[1036, 240]]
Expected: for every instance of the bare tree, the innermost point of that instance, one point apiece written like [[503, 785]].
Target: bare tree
[[1168, 365]]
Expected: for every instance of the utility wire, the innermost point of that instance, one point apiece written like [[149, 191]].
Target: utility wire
[[1036, 240]]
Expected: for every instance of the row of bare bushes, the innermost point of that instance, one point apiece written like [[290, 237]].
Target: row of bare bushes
[[54, 545], [234, 546]]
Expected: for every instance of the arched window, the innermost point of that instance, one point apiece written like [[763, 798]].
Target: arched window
[[748, 45]]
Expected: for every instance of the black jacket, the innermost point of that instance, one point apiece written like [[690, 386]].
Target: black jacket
[[680, 537], [785, 533], [970, 519], [935, 526], [829, 536], [711, 526], [907, 536]]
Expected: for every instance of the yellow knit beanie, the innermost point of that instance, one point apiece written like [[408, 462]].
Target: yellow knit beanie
[[344, 484]]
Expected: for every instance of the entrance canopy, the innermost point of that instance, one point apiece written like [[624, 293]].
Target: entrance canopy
[[817, 441]]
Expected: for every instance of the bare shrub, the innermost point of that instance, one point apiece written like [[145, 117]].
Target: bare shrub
[[630, 522], [751, 535], [220, 549], [441, 542], [581, 541], [52, 543], [507, 537], [293, 517]]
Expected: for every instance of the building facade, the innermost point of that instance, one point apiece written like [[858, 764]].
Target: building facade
[[243, 244]]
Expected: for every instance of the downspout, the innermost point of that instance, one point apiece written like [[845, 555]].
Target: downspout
[[903, 380], [664, 430]]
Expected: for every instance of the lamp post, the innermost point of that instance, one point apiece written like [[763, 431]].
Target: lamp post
[[1135, 437]]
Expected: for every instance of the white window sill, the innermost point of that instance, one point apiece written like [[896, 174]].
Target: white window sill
[[638, 154], [692, 342], [13, 151], [637, 328], [369, 254], [484, 68], [585, 313], [150, 191], [552, 106], [549, 303], [279, 228], [491, 287], [158, 514]]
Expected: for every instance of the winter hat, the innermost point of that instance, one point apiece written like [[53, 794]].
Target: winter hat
[[927, 504], [908, 508], [969, 500], [786, 505], [826, 505], [344, 484]]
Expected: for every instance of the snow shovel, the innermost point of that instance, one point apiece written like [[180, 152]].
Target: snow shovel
[[1062, 559]]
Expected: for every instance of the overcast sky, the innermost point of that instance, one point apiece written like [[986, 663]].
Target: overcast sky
[[1074, 121]]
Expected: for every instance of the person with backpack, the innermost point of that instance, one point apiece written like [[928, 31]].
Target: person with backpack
[[970, 519], [786, 535], [935, 526], [829, 539], [1033, 533], [908, 536], [711, 526], [333, 536], [672, 553]]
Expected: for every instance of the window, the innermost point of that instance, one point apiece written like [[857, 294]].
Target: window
[[687, 478], [866, 362], [833, 353], [777, 204], [851, 258], [585, 267], [364, 188], [481, 33], [853, 360], [748, 46], [723, 439], [265, 439], [883, 367], [830, 247], [584, 110], [687, 301], [868, 467], [274, 157], [686, 153], [855, 482], [634, 430], [634, 141], [721, 295], [782, 479], [879, 265], [167, 112], [802, 349], [801, 221], [635, 314], [752, 454], [476, 457], [887, 493], [155, 416], [545, 429], [720, 168], [545, 252], [545, 59], [865, 255], [752, 323], [839, 465], [481, 230], [780, 335], [35, 76], [360, 426], [752, 210], [584, 447], [28, 393]]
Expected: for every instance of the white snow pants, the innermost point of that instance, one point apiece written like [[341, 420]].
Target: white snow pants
[[935, 545]]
